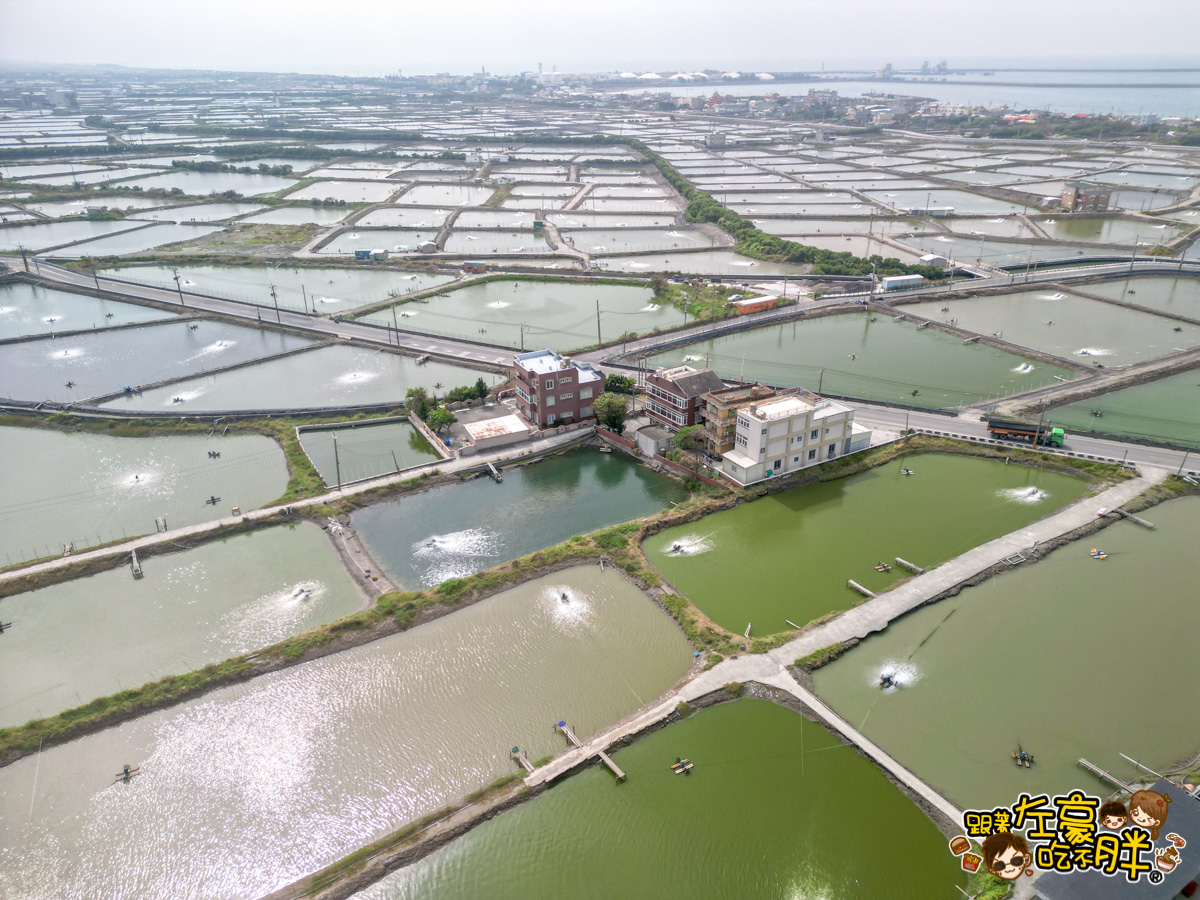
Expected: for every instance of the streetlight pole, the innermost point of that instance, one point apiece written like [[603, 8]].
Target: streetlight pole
[[178, 286], [337, 463], [274, 297]]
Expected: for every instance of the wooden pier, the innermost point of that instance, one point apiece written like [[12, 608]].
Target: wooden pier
[[1105, 776], [569, 734], [135, 565], [494, 472], [912, 567], [1132, 518], [522, 760], [858, 587]]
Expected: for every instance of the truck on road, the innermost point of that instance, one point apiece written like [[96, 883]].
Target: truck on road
[[1007, 429]]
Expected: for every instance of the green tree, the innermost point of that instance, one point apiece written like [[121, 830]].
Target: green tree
[[658, 284], [481, 388], [416, 400], [440, 419], [619, 384], [690, 439], [611, 410]]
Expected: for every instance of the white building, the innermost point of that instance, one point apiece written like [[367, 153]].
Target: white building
[[788, 433]]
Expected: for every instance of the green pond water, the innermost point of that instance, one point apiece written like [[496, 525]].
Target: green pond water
[[788, 555], [452, 531], [1065, 325], [892, 360], [91, 637], [1069, 658], [1107, 231], [325, 289], [561, 316], [27, 309], [94, 488], [775, 807], [331, 376], [1180, 296], [1164, 410], [365, 450]]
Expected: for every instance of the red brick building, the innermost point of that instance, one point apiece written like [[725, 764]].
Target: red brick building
[[551, 386]]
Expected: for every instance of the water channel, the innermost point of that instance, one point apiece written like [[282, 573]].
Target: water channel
[[869, 357], [788, 555], [775, 807], [251, 786], [452, 531], [1072, 657], [91, 637]]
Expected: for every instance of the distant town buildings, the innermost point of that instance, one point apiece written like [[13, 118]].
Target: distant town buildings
[[551, 387]]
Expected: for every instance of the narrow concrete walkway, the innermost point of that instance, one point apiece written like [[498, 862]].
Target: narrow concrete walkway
[[874, 615], [445, 466], [877, 614]]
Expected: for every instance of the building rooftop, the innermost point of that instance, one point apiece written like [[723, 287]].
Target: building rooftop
[[494, 428], [733, 396], [826, 408], [692, 382], [547, 362], [779, 408]]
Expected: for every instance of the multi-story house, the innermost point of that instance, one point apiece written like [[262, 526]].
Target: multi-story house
[[551, 386], [673, 395], [718, 414], [790, 432]]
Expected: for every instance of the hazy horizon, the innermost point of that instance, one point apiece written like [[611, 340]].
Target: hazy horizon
[[372, 37]]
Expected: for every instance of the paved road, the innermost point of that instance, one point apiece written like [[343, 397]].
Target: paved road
[[970, 424]]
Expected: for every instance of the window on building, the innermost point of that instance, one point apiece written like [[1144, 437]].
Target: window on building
[[549, 384], [585, 393], [832, 451], [827, 431], [813, 436], [795, 459], [564, 379], [567, 396], [549, 401], [585, 412], [778, 464], [812, 454]]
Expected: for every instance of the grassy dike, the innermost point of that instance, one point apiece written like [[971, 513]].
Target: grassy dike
[[398, 611]]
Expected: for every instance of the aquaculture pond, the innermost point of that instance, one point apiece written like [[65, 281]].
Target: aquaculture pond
[[201, 184], [329, 376], [788, 555], [326, 289], [702, 262], [558, 315], [365, 450], [54, 234], [27, 309], [452, 531], [86, 488], [137, 241], [1050, 623], [732, 828], [95, 636], [251, 786], [80, 366], [869, 357], [1164, 410], [394, 240], [1065, 325], [1178, 296]]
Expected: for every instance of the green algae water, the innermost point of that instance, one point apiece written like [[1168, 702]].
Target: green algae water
[[1072, 657], [452, 531], [1164, 410], [869, 357], [789, 555], [775, 807]]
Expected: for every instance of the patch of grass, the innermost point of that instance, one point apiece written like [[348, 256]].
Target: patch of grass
[[818, 658], [683, 709], [734, 688]]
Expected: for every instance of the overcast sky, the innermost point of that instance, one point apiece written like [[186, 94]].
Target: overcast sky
[[423, 36]]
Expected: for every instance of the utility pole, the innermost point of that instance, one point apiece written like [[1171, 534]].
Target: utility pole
[[25, 260], [522, 338], [820, 380], [304, 294], [178, 286], [337, 463], [396, 323], [599, 340], [1179, 471], [94, 277], [276, 299], [1041, 419]]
